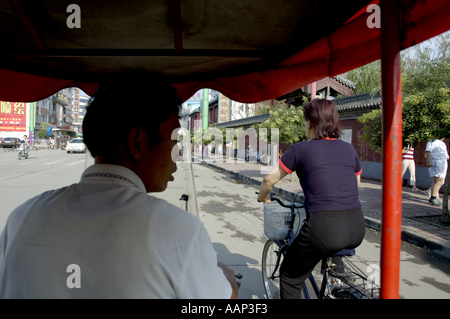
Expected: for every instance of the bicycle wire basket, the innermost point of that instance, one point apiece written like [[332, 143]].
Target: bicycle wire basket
[[353, 285], [277, 220]]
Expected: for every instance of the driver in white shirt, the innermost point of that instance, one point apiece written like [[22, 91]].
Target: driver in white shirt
[[105, 237]]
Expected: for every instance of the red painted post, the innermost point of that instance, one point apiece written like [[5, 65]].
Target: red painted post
[[392, 144]]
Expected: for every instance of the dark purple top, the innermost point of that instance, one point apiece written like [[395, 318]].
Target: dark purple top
[[327, 170]]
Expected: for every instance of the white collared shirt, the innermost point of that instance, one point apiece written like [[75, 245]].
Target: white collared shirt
[[126, 243]]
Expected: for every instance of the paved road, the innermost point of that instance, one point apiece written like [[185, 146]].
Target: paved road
[[43, 170], [230, 213]]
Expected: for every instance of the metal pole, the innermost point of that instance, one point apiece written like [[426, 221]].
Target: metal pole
[[32, 122], [205, 109], [392, 145]]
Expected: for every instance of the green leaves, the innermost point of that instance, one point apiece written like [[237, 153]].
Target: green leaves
[[425, 92], [372, 132], [290, 123]]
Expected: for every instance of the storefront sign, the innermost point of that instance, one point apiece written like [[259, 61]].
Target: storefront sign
[[223, 108], [13, 116]]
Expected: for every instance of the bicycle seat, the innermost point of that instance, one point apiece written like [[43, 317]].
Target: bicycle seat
[[344, 252]]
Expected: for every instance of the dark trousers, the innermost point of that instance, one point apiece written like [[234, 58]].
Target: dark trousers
[[323, 234]]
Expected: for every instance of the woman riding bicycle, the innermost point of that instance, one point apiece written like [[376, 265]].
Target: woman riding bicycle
[[329, 172]]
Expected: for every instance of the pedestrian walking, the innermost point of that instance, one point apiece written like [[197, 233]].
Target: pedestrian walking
[[409, 164], [436, 157]]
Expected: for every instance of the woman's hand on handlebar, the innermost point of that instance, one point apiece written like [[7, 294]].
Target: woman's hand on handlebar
[[265, 200]]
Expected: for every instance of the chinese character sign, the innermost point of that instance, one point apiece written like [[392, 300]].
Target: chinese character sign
[[198, 96], [13, 116], [223, 108]]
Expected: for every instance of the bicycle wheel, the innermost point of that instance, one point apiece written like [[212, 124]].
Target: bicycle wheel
[[20, 155], [269, 264]]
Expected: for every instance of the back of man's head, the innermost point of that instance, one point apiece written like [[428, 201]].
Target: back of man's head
[[118, 106]]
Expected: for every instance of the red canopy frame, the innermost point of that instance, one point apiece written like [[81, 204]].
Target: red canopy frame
[[391, 232]]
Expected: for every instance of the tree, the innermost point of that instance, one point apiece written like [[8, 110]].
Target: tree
[[426, 100], [289, 122], [372, 132], [366, 77], [42, 133]]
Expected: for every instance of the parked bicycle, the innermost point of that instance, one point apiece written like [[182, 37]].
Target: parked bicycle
[[338, 281]]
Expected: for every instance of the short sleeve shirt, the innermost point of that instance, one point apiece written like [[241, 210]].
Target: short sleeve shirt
[[438, 150], [327, 169]]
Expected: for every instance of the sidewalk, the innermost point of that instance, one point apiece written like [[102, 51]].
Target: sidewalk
[[421, 224]]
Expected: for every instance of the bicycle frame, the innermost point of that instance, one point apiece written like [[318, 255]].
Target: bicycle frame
[[319, 292], [357, 286], [284, 244]]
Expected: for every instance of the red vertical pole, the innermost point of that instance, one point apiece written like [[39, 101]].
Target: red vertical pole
[[392, 144]]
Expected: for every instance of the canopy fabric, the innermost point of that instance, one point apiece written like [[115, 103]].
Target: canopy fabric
[[248, 50]]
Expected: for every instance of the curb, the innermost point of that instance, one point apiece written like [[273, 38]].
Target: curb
[[413, 237], [7, 150]]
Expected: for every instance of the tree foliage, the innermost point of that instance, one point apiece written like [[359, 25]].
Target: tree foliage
[[366, 77], [425, 94], [42, 133], [289, 122], [372, 132]]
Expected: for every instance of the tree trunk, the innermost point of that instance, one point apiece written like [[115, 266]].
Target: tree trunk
[[445, 214]]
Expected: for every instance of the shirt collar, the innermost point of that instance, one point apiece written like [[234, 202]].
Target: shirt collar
[[114, 172]]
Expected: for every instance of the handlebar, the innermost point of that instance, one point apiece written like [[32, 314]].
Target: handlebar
[[238, 276], [290, 206]]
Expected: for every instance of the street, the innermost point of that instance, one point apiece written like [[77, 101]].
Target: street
[[233, 218]]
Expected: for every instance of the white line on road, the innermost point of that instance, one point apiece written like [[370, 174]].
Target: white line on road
[[30, 161], [77, 162], [55, 162]]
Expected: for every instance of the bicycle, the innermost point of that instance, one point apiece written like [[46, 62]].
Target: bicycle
[[338, 282], [23, 151]]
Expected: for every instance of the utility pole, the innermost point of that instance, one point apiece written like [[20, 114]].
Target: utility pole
[[32, 117], [205, 109]]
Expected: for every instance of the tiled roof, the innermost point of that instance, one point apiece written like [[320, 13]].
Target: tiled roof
[[245, 121], [345, 81], [358, 102]]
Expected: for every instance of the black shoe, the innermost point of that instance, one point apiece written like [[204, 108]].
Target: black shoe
[[434, 202]]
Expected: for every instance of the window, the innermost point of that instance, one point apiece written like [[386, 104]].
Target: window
[[346, 135]]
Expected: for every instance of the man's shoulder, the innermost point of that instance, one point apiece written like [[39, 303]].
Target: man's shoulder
[[32, 203], [168, 213]]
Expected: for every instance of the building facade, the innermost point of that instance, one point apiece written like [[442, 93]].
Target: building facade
[[80, 102], [56, 111]]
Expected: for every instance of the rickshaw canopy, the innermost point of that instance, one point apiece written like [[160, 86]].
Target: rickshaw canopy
[[248, 50]]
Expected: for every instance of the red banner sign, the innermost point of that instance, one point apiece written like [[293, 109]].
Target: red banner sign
[[13, 116]]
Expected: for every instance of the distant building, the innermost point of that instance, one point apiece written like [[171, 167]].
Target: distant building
[[56, 111], [80, 102]]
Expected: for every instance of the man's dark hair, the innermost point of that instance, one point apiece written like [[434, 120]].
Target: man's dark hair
[[119, 106], [323, 115]]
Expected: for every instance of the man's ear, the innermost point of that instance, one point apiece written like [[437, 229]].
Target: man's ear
[[135, 141]]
